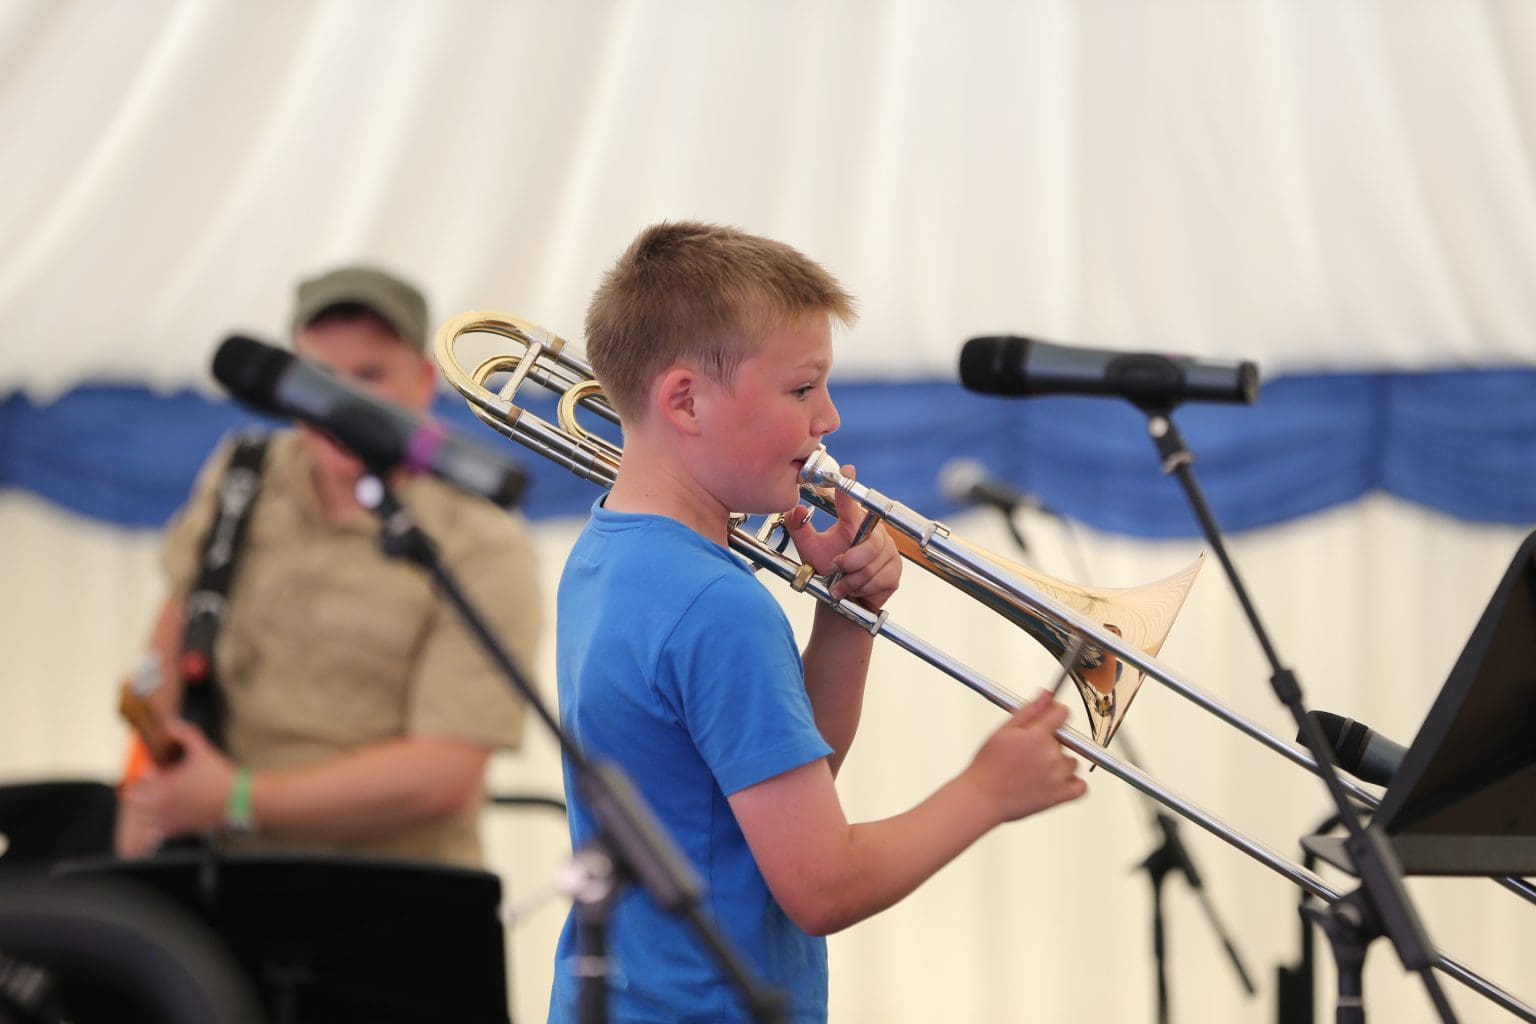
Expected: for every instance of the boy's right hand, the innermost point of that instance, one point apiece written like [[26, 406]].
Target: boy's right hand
[[1021, 768]]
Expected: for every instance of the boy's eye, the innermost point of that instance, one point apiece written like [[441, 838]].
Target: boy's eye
[[803, 390]]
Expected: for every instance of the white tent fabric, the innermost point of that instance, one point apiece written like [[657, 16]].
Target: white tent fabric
[[1313, 185], [1307, 184]]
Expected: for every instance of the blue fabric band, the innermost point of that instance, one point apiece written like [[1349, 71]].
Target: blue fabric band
[[1461, 442]]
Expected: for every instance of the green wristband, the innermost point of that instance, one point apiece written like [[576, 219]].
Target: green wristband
[[239, 817]]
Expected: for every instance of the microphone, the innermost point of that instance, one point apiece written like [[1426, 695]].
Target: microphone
[[1367, 755], [1011, 365], [967, 482], [381, 434]]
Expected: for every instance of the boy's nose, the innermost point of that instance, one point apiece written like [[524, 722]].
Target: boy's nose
[[827, 421]]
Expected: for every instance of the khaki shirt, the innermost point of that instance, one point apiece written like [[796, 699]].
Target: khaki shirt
[[329, 646]]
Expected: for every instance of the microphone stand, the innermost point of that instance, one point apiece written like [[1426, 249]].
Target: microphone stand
[[1380, 906], [630, 846], [1170, 855], [1015, 530]]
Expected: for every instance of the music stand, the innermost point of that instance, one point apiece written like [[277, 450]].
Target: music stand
[[1463, 802], [342, 939]]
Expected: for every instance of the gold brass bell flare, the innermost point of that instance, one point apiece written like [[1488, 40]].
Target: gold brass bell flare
[[1142, 616]]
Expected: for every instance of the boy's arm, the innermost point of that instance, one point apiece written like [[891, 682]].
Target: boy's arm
[[836, 662], [827, 874], [836, 658]]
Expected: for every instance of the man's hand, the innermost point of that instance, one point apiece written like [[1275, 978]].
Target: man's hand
[[187, 797], [133, 835], [870, 569]]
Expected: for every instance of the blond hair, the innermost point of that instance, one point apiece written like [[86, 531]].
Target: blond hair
[[703, 292]]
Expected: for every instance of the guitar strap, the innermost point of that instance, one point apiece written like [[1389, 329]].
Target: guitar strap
[[207, 603]]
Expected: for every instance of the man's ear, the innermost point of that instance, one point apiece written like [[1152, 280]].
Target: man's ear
[[676, 398], [428, 383]]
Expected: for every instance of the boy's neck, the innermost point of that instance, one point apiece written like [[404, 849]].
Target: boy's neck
[[661, 486]]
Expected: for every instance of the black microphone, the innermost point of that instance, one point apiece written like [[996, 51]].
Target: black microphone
[[1012, 365], [381, 434], [967, 482], [1367, 755]]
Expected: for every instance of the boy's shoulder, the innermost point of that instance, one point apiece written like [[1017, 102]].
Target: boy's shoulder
[[666, 561]]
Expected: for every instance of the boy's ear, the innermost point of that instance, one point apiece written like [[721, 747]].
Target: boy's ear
[[676, 398]]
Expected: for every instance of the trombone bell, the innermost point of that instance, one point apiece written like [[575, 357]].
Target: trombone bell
[[1141, 616]]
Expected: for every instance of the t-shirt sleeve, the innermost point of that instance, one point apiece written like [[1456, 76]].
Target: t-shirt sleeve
[[456, 690], [732, 674]]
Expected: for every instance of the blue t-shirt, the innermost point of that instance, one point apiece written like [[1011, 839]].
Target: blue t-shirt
[[674, 662]]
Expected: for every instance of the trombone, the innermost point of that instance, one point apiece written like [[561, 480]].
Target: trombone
[[1040, 606]]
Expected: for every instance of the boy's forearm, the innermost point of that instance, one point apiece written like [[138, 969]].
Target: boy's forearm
[[827, 875], [881, 862], [836, 661]]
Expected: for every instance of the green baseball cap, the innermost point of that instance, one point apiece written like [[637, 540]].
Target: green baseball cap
[[401, 305]]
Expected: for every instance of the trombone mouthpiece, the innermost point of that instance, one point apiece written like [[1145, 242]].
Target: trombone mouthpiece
[[821, 469]]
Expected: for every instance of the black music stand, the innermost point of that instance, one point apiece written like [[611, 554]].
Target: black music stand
[[342, 939], [108, 951], [1463, 802], [45, 821]]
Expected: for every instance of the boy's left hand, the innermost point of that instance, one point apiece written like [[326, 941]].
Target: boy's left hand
[[871, 569]]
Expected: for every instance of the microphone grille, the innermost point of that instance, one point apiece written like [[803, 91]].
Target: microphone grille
[[1345, 737], [994, 365], [249, 369], [1331, 724], [958, 477]]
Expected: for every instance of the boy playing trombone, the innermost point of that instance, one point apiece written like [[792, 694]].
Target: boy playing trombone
[[673, 661]]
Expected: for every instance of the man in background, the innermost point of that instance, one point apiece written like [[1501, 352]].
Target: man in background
[[358, 714]]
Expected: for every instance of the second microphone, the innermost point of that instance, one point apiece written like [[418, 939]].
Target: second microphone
[[384, 436]]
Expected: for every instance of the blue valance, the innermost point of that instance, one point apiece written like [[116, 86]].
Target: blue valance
[[1462, 442]]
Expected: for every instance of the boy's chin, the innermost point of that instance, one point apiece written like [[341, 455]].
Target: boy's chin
[[767, 505]]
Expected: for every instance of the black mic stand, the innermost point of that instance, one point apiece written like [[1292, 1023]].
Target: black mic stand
[[1171, 855], [630, 844], [1380, 905], [1014, 529]]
